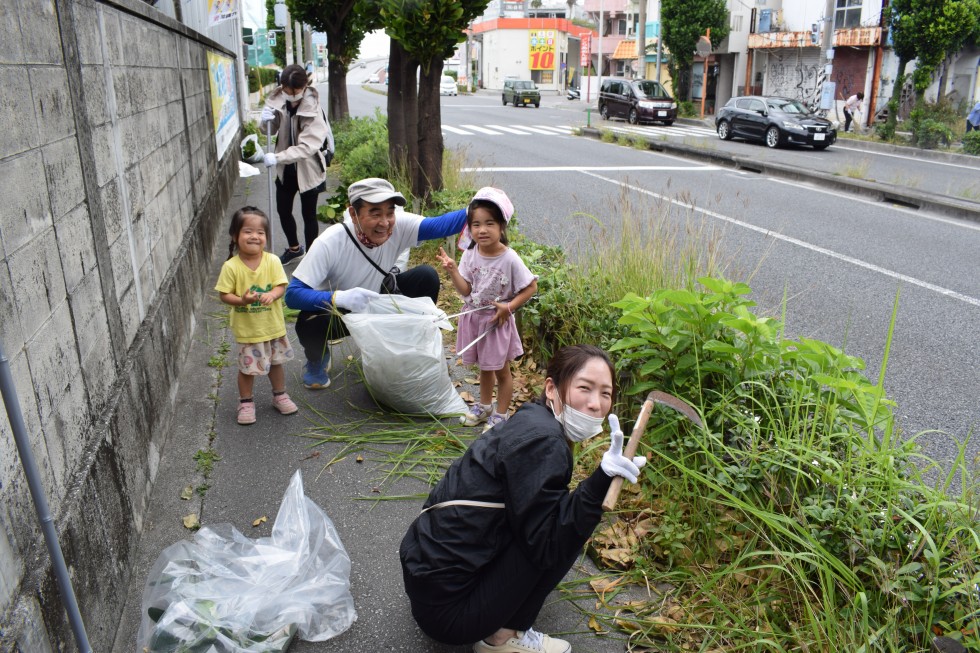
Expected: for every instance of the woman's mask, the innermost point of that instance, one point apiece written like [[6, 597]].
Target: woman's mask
[[293, 98], [578, 425]]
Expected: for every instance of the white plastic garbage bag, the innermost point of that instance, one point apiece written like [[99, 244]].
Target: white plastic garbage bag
[[251, 150], [402, 355], [225, 593]]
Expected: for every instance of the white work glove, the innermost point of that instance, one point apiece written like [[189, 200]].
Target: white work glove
[[614, 463], [354, 300], [270, 159], [268, 114]]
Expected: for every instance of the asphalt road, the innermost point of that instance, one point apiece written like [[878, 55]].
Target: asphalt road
[[840, 260]]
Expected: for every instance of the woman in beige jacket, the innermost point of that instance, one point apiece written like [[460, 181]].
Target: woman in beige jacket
[[294, 113]]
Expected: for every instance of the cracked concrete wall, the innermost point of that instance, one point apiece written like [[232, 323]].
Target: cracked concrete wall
[[112, 197]]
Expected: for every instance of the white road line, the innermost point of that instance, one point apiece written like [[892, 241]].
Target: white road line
[[799, 243], [454, 130], [538, 130], [919, 160], [913, 212], [482, 130], [510, 130], [586, 169], [560, 130]]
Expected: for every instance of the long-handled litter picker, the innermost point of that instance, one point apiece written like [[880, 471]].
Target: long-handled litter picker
[[272, 195], [655, 397]]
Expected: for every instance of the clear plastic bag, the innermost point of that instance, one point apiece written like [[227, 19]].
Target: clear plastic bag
[[402, 355], [226, 593], [252, 152]]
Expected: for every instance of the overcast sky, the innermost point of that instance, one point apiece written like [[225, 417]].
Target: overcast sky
[[375, 44]]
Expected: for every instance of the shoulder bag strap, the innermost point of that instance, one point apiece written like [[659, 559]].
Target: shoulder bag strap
[[357, 246], [463, 502]]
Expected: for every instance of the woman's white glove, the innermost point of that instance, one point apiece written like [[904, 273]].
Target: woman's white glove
[[614, 463], [270, 159], [268, 114], [354, 300]]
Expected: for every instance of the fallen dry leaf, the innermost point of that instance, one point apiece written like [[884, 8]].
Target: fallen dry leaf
[[187, 493], [261, 520], [467, 397], [471, 380], [191, 521], [315, 454], [603, 585], [595, 626], [359, 459]]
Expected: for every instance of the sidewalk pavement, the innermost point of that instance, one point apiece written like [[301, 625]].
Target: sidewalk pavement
[[255, 465]]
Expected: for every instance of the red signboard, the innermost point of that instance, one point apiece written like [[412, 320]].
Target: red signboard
[[586, 49]]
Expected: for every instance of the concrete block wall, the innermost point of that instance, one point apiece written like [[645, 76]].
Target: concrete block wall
[[111, 198]]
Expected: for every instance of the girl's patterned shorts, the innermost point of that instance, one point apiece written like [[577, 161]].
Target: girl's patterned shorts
[[255, 358]]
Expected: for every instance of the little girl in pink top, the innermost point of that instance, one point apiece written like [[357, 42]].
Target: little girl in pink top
[[492, 277]]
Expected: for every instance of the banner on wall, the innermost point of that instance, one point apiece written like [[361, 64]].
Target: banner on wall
[[542, 49], [221, 10], [224, 103]]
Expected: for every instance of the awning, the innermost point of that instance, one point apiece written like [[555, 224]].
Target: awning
[[626, 49]]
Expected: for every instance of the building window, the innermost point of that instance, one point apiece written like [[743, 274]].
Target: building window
[[736, 23], [621, 26], [620, 68], [848, 14]]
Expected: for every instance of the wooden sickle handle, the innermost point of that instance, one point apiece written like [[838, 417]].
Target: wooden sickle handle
[[612, 495]]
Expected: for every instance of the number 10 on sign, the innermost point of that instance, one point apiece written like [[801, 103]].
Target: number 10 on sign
[[542, 60]]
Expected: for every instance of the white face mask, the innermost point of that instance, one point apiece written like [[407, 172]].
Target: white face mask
[[293, 98], [578, 426]]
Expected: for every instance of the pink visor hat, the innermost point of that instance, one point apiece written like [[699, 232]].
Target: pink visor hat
[[494, 196]]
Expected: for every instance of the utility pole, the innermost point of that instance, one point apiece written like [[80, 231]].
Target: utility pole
[[641, 40], [300, 59], [828, 92], [660, 39], [602, 20], [288, 34]]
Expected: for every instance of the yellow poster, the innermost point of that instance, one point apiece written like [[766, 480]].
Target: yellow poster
[[542, 49], [224, 100]]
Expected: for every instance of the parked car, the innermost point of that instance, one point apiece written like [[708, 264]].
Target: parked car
[[374, 78], [521, 92], [774, 121], [447, 86], [636, 100]]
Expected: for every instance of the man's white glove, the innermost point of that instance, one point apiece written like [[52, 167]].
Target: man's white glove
[[268, 114], [270, 159], [614, 463], [354, 300]]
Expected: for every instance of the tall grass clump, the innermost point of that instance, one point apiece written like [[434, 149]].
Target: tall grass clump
[[643, 249], [797, 519]]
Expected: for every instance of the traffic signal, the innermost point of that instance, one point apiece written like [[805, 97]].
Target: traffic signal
[[272, 39], [815, 33], [247, 37]]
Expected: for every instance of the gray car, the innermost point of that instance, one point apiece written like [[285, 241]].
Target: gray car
[[521, 92]]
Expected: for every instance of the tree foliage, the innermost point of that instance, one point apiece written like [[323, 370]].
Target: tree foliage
[[684, 22], [928, 31], [423, 33], [345, 22]]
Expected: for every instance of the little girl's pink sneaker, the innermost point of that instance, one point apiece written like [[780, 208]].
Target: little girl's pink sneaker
[[246, 412], [284, 404]]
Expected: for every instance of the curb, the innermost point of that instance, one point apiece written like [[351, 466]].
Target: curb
[[877, 191]]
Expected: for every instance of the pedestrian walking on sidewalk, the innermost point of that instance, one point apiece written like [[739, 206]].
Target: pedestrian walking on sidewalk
[[294, 113], [252, 282], [852, 106], [973, 119], [351, 263], [491, 276], [501, 529]]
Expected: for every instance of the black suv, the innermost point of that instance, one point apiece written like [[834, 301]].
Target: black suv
[[521, 92], [637, 100]]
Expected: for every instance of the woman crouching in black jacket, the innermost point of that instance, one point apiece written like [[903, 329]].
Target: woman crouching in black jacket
[[501, 529]]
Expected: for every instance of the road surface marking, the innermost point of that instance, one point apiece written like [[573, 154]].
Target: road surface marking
[[586, 169], [482, 130], [796, 241], [510, 130], [454, 130]]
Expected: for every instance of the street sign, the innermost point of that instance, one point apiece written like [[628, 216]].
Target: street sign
[[586, 51], [704, 46]]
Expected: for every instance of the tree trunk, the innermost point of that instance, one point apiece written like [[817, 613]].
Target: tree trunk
[[336, 80], [896, 93], [943, 79], [429, 175], [402, 111]]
